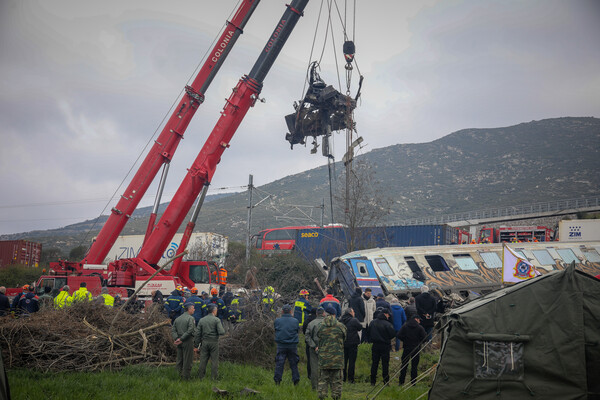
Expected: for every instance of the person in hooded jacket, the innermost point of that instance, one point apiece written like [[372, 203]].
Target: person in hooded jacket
[[353, 328], [398, 318], [29, 303], [412, 335], [381, 333], [411, 309], [426, 306]]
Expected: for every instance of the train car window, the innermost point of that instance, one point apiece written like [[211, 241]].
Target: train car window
[[362, 269], [465, 262], [437, 263], [591, 255], [520, 254], [384, 266], [492, 260], [567, 255], [543, 257], [414, 267]]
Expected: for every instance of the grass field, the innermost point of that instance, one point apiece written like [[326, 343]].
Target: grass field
[[146, 382]]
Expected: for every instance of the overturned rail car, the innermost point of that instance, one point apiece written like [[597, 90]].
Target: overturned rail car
[[462, 269]]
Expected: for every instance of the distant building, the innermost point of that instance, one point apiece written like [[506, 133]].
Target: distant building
[[20, 252]]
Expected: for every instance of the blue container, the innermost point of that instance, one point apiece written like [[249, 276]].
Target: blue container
[[328, 243]]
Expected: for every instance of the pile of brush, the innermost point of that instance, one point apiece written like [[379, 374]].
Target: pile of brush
[[85, 337]]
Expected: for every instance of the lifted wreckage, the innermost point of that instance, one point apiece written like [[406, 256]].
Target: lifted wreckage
[[322, 111]]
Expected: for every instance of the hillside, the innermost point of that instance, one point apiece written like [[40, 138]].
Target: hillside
[[466, 170]]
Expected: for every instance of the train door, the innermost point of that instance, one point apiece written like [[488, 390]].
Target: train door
[[365, 275]]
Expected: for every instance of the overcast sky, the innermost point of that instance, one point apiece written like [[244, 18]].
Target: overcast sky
[[84, 85]]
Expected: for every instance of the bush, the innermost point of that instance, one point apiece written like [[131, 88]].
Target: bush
[[18, 275]]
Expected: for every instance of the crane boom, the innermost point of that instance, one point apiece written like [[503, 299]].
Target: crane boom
[[165, 145], [203, 168]]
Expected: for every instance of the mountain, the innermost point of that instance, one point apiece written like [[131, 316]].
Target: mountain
[[470, 169]]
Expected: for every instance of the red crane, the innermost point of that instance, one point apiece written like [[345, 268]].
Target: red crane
[[165, 145], [127, 273]]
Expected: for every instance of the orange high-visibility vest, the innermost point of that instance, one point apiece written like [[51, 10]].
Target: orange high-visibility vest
[[221, 276]]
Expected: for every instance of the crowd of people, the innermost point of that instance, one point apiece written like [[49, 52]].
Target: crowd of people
[[332, 335]]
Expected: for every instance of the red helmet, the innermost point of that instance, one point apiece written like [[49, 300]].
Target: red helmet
[[214, 291], [194, 290], [304, 292]]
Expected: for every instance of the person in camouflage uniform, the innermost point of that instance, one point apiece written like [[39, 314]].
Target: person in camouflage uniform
[[207, 334], [331, 336], [182, 332]]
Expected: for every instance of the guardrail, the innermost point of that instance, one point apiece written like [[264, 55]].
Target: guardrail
[[510, 211]]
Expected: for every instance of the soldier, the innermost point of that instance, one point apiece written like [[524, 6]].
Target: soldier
[[331, 336], [312, 342], [182, 333], [207, 334]]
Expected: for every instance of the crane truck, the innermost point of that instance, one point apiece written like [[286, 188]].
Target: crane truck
[[130, 273]]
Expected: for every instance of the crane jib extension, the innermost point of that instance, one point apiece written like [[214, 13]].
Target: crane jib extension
[[165, 145], [202, 170]]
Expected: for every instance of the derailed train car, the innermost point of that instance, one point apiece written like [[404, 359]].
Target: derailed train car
[[466, 270]]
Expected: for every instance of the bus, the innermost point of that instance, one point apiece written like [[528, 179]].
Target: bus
[[277, 240]]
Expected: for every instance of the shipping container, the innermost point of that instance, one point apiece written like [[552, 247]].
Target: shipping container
[[579, 230], [328, 243], [21, 252], [202, 245]]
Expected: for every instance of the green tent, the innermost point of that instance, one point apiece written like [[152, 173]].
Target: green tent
[[537, 339]]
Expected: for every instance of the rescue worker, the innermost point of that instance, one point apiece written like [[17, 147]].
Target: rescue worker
[[105, 298], [15, 301], [29, 303], [207, 335], [63, 299], [220, 277], [236, 307], [182, 333], [82, 293], [174, 305], [332, 335], [286, 337], [302, 307], [312, 343], [268, 298], [329, 300], [219, 303], [197, 302]]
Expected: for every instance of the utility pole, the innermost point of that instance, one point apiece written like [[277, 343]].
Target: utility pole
[[250, 186], [322, 211]]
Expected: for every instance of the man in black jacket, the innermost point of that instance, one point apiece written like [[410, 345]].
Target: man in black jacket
[[426, 306], [358, 305], [412, 335], [381, 332], [353, 327], [4, 302]]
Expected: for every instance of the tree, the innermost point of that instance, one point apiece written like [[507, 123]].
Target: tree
[[49, 255], [365, 198], [77, 253]]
